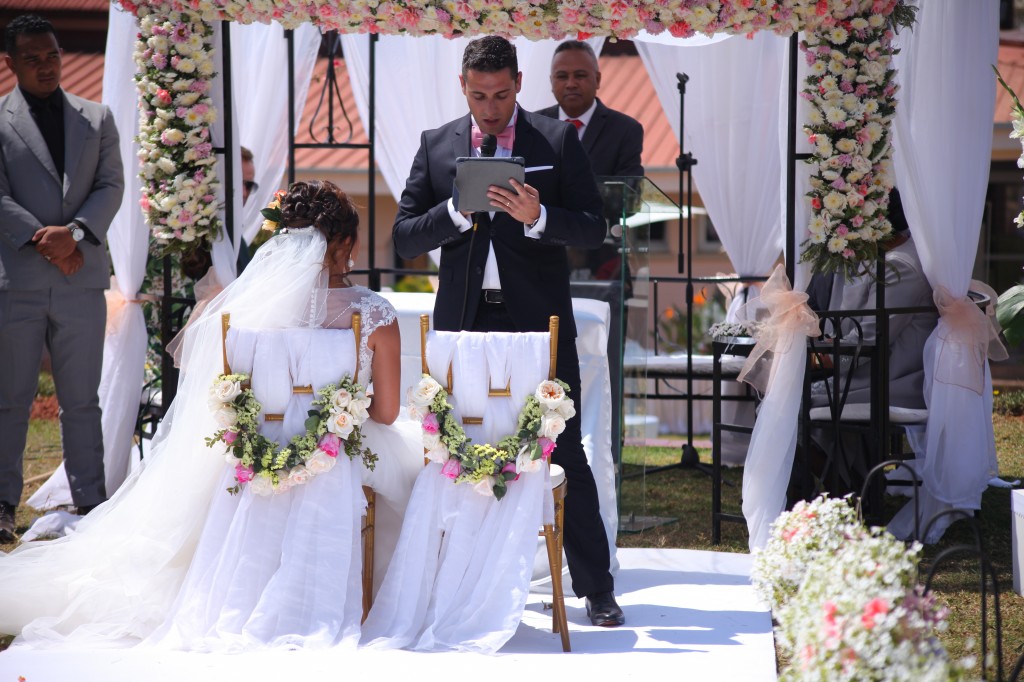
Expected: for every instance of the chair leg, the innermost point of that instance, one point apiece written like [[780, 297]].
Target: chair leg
[[559, 622], [367, 535]]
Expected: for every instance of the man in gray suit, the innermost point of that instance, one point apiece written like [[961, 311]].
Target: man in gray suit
[[61, 182]]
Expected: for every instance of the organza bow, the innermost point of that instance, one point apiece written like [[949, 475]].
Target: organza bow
[[788, 317], [967, 336]]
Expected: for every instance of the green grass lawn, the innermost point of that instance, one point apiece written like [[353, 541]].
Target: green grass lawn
[[685, 495]]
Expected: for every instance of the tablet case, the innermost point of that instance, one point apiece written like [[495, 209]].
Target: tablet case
[[475, 174]]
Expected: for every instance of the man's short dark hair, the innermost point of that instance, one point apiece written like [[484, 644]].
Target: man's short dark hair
[[897, 217], [576, 45], [490, 54], [25, 25]]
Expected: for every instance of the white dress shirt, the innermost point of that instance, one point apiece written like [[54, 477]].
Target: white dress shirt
[[583, 118]]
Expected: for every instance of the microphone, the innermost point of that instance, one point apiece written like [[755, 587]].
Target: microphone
[[488, 145]]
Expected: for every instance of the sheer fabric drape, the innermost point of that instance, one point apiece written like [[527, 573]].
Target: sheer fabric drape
[[943, 142]]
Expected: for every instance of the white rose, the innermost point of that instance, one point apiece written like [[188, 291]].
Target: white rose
[[341, 425], [431, 440], [320, 463], [438, 454], [416, 412], [358, 412], [225, 416], [551, 425], [423, 393], [231, 459], [226, 390], [861, 164], [566, 409], [284, 484], [550, 394], [340, 400], [299, 475], [485, 487], [526, 465], [261, 485]]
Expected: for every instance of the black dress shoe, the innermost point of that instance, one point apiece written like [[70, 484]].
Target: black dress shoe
[[603, 610], [7, 523], [86, 508]]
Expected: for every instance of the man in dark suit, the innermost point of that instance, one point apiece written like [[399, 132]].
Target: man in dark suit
[[507, 270], [613, 142], [61, 183]]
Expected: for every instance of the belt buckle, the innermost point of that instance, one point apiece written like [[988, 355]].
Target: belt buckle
[[493, 296]]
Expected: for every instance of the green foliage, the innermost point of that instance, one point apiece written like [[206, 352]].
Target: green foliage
[[414, 284], [46, 385], [1009, 404], [1008, 313]]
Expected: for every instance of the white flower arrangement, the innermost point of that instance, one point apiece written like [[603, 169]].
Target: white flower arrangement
[[177, 162], [490, 468], [798, 539], [332, 427], [746, 328], [859, 617], [851, 92]]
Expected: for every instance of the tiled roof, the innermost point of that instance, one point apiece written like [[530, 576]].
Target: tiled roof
[[620, 89]]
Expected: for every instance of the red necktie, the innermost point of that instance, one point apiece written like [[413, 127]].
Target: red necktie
[[505, 138], [576, 122]]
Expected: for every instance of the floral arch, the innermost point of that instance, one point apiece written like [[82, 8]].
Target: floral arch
[[848, 46]]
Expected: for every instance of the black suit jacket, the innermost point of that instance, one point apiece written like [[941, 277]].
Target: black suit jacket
[[612, 140], [534, 272]]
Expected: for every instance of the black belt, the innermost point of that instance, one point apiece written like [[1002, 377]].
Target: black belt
[[493, 296]]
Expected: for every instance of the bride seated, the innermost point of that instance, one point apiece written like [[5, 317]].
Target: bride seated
[[176, 561]]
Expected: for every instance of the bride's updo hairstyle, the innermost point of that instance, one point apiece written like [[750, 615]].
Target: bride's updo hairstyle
[[324, 205]]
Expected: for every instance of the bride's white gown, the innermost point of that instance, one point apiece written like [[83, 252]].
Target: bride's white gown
[[240, 571]]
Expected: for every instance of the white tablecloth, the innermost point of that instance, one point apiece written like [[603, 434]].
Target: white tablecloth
[[592, 320]]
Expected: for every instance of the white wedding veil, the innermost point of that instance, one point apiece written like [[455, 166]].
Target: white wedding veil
[[114, 579]]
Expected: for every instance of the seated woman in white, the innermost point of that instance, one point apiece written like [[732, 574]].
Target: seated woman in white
[[175, 560]]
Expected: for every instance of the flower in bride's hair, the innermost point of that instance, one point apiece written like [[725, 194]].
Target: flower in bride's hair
[[423, 393], [550, 394], [272, 213], [341, 424]]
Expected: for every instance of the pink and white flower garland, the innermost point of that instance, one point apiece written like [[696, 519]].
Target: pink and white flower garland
[[177, 162], [489, 468], [332, 428]]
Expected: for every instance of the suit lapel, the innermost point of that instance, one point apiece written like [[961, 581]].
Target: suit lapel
[[462, 142], [75, 129], [20, 118], [593, 130]]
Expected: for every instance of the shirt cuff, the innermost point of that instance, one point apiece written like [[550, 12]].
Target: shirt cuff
[[538, 227], [461, 221]]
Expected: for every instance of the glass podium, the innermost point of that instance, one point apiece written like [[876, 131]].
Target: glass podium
[[618, 272]]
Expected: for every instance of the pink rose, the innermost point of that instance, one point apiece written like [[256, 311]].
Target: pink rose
[[243, 474], [451, 469], [229, 437], [430, 424], [547, 446], [330, 444], [510, 468]]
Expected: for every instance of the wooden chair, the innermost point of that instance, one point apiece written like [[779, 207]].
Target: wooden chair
[[551, 532], [367, 529]]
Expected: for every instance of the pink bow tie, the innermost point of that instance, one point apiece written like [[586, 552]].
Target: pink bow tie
[[504, 139]]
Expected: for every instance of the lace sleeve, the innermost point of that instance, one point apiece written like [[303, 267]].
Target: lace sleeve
[[376, 310]]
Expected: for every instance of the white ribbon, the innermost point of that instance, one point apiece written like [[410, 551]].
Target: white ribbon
[[967, 337]]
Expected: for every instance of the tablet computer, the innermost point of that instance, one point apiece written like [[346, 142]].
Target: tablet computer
[[475, 174]]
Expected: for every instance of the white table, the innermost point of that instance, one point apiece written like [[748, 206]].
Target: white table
[[592, 320]]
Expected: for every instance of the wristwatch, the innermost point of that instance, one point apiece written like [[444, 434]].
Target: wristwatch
[[77, 233]]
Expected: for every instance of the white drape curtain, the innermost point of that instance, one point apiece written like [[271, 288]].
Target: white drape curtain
[[124, 350], [943, 144], [732, 128], [425, 71], [259, 58]]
